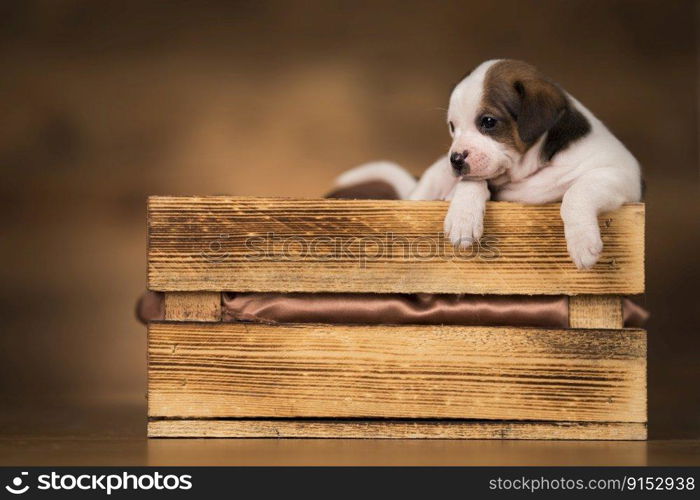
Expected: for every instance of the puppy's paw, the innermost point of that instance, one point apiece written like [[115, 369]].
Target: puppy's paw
[[584, 244], [464, 225]]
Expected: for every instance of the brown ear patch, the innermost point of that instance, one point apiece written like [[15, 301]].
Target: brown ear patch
[[530, 105], [541, 105]]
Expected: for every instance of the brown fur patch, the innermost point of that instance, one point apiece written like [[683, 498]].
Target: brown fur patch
[[368, 190], [527, 105]]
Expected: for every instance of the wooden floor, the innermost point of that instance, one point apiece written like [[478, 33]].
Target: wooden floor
[[113, 433]]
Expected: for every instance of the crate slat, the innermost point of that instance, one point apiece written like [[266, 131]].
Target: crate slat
[[288, 245], [391, 429], [238, 370], [595, 311], [192, 306]]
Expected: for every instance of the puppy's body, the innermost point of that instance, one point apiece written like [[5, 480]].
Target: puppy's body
[[519, 137]]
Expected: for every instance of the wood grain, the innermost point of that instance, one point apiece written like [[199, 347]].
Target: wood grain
[[393, 429], [217, 370], [192, 306], [595, 311], [288, 245]]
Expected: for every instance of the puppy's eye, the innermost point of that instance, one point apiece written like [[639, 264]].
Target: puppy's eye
[[488, 122], [452, 128]]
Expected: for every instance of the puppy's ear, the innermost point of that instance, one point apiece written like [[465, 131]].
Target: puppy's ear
[[541, 104]]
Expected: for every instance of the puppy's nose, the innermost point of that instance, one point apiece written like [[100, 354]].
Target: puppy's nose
[[458, 160]]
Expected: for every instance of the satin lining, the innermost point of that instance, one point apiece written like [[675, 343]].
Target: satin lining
[[416, 309]]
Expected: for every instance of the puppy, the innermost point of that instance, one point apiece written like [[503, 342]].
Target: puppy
[[518, 136]]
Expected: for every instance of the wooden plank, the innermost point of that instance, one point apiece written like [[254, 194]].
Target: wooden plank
[[595, 311], [192, 306], [224, 370], [395, 429], [287, 245]]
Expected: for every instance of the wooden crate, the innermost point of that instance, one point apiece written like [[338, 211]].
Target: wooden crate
[[212, 379]]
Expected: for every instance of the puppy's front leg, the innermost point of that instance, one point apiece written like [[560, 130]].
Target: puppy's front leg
[[597, 192], [436, 183], [464, 223]]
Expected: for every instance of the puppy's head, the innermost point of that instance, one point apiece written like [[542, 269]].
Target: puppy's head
[[497, 113]]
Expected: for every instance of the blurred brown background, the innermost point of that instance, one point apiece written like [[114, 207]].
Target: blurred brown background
[[104, 103]]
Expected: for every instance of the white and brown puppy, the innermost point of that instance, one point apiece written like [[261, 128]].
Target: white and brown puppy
[[517, 136]]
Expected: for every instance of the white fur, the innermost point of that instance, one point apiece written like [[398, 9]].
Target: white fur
[[594, 174], [437, 183], [464, 223]]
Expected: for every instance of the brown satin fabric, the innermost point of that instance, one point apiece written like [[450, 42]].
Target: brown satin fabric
[[150, 307], [415, 309], [633, 315]]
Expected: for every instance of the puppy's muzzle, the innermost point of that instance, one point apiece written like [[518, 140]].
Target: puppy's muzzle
[[459, 163]]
